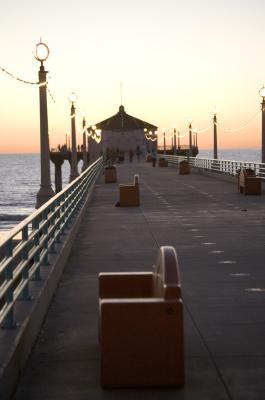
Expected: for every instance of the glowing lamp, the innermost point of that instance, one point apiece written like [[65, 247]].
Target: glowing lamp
[[190, 120], [262, 92], [215, 110], [72, 97], [42, 52]]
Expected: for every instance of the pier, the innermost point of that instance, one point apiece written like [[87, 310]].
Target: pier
[[218, 234]]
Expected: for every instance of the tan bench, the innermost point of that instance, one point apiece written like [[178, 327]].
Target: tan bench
[[184, 168], [141, 326], [149, 158], [162, 162], [248, 182], [130, 194], [110, 174]]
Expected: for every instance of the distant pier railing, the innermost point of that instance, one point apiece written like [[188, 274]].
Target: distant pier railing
[[27, 247], [226, 167]]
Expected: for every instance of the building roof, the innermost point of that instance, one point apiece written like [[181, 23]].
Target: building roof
[[124, 122]]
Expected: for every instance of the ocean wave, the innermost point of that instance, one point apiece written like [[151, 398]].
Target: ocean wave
[[13, 217]]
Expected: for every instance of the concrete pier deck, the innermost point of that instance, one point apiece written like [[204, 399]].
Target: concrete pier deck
[[219, 236]]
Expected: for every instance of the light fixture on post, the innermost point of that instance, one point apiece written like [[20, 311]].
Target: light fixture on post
[[84, 144], [215, 156], [74, 173], [45, 192], [262, 94]]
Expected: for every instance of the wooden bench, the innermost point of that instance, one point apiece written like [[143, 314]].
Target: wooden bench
[[248, 182], [129, 194], [141, 326], [162, 162]]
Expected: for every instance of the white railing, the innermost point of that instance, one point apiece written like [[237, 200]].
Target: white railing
[[226, 167], [26, 247]]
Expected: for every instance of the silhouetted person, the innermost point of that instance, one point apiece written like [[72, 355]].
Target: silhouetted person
[[153, 155]]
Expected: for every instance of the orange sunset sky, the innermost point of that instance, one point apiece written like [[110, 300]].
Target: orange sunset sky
[[176, 60]]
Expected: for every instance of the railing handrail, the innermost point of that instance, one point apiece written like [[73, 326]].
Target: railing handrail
[[228, 167], [40, 232], [18, 228]]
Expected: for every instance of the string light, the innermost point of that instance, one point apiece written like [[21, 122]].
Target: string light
[[17, 78], [242, 127]]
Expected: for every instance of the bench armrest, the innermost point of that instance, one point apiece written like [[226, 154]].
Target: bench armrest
[[125, 285]]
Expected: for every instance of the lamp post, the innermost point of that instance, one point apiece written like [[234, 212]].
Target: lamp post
[[190, 138], [45, 192], [84, 145], [262, 94], [215, 133], [164, 135], [155, 141], [74, 173], [178, 139], [174, 141], [195, 137]]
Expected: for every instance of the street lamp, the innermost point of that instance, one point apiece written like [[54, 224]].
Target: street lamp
[[262, 94], [195, 137], [154, 134], [215, 133], [174, 141], [178, 138], [45, 192], [190, 137], [84, 144], [74, 173], [164, 135]]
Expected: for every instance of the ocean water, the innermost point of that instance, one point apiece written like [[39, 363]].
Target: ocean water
[[20, 177], [19, 184]]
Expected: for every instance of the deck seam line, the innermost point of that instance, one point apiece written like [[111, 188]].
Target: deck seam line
[[208, 351]]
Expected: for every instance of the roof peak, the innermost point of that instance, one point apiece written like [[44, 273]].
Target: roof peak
[[121, 108]]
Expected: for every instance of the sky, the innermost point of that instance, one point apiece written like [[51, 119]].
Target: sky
[[176, 60]]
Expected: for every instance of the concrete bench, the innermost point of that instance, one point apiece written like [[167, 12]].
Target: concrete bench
[[162, 162], [184, 168], [149, 158], [129, 194], [248, 182], [141, 326], [110, 174]]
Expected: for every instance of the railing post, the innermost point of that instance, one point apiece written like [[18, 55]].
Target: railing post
[[25, 256], [46, 242], [35, 227], [9, 297]]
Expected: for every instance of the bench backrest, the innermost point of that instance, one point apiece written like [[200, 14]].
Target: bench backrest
[[166, 279], [247, 172]]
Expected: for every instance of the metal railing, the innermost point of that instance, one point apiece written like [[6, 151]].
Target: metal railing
[[27, 247], [226, 167]]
